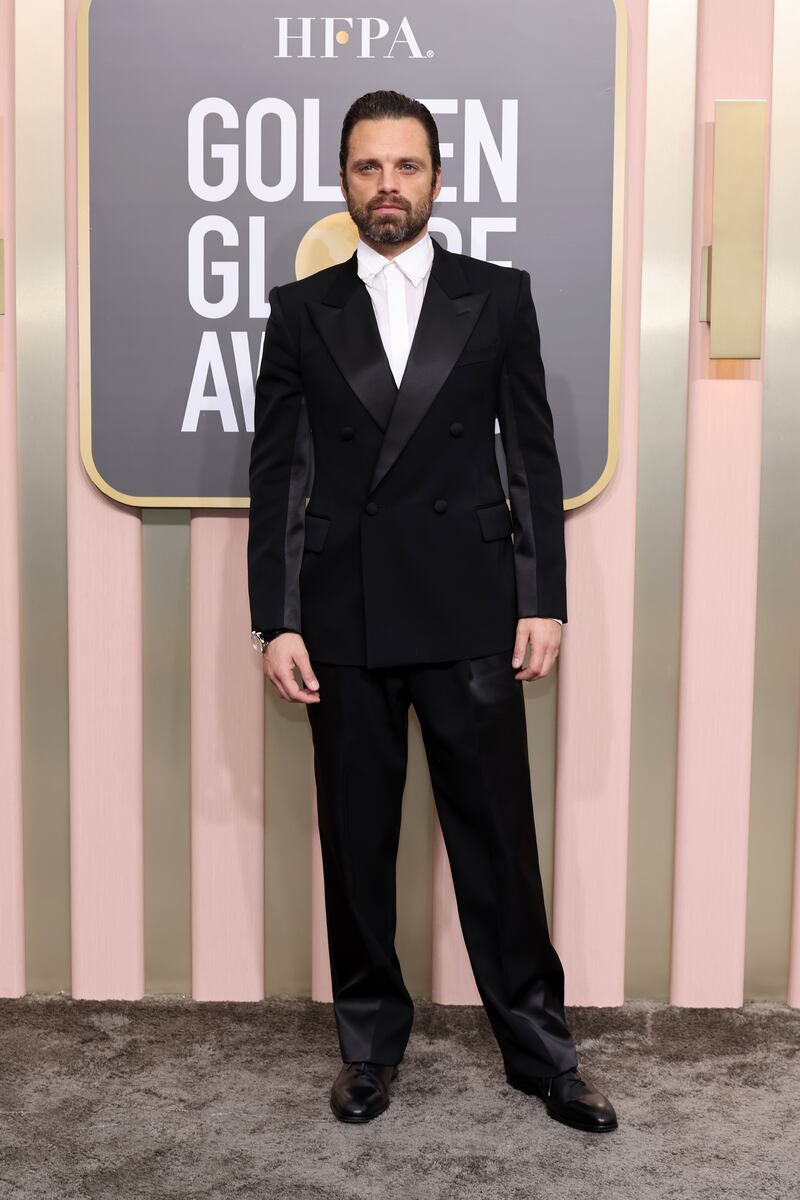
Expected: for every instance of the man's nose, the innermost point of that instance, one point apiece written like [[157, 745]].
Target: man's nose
[[389, 193]]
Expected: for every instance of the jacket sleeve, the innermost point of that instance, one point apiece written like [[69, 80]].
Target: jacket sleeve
[[534, 473], [281, 459]]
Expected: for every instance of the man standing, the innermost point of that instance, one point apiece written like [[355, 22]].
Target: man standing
[[400, 583]]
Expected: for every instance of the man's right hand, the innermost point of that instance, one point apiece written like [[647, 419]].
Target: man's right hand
[[283, 654]]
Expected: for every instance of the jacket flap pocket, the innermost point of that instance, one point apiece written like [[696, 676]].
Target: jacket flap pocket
[[316, 531], [495, 521], [473, 354]]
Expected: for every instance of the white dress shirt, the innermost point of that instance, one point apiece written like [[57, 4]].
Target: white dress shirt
[[396, 288]]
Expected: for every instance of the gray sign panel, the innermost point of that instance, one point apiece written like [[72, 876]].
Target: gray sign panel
[[209, 138]]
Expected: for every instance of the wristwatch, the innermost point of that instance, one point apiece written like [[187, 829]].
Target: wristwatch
[[260, 640]]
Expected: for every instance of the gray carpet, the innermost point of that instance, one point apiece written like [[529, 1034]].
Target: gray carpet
[[173, 1098]]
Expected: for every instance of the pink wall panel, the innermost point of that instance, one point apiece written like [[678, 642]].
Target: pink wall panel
[[716, 692], [320, 959], [12, 933], [227, 768], [723, 473], [594, 697], [794, 966], [105, 682]]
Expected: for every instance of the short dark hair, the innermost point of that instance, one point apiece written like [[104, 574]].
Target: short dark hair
[[376, 106]]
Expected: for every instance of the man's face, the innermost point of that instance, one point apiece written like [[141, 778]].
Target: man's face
[[388, 180]]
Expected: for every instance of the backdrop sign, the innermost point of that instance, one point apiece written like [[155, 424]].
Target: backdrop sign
[[209, 139]]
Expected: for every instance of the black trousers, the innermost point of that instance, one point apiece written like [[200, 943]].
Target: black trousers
[[472, 716]]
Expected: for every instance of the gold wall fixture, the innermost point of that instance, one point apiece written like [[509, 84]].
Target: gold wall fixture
[[732, 269]]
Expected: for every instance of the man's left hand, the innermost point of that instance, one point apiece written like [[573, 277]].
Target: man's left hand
[[543, 634]]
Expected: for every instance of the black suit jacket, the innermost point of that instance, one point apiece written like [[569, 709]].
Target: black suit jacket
[[404, 552]]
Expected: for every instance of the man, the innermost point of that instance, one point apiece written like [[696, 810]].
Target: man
[[400, 583]]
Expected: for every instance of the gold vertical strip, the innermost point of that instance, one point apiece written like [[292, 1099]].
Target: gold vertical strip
[[776, 700], [665, 314], [288, 817], [41, 365], [737, 235], [167, 751]]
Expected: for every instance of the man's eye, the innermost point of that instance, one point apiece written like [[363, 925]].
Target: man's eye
[[412, 165]]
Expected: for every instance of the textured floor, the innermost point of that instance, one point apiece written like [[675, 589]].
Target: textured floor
[[172, 1098]]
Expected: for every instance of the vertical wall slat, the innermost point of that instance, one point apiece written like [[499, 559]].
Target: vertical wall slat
[[105, 647], [664, 355], [723, 467], [40, 315], [595, 661], [12, 909], [227, 768], [793, 997], [776, 711], [320, 959], [716, 693], [166, 666]]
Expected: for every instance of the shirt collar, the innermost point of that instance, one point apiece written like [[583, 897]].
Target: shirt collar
[[414, 262]]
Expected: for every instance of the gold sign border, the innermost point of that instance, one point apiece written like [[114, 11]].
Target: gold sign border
[[84, 296]]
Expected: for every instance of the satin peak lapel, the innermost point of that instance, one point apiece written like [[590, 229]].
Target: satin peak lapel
[[345, 320]]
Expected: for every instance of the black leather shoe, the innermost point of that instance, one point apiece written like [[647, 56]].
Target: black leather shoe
[[361, 1090], [570, 1099]]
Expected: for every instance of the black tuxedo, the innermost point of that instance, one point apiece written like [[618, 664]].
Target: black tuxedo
[[402, 576], [404, 553]]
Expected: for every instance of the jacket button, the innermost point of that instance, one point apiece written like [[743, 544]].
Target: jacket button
[[371, 507], [347, 432], [456, 429], [440, 505]]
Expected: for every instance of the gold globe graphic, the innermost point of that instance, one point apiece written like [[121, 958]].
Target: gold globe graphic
[[329, 241]]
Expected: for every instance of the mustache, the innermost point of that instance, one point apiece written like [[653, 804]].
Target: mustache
[[388, 200]]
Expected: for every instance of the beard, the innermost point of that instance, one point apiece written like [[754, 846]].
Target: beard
[[389, 228]]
